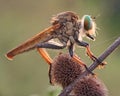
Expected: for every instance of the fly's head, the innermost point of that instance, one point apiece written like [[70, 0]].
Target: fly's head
[[88, 27]]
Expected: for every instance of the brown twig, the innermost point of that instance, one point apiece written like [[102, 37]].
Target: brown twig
[[104, 55]]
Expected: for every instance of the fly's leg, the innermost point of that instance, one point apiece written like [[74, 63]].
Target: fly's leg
[[50, 45], [45, 55], [90, 54], [88, 51], [48, 59], [78, 60], [71, 49]]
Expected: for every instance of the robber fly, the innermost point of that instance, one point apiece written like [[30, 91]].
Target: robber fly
[[68, 28]]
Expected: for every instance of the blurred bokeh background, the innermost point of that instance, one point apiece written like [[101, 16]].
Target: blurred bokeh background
[[27, 74]]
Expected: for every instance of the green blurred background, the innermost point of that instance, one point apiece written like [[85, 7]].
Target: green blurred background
[[27, 74]]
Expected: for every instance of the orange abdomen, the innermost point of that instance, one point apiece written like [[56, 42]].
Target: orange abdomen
[[43, 36]]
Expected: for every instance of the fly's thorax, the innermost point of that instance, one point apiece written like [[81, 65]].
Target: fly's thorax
[[68, 21], [67, 30], [64, 17]]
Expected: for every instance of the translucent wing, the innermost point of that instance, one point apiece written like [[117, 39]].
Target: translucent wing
[[30, 44]]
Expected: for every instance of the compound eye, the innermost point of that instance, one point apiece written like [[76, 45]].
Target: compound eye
[[87, 22]]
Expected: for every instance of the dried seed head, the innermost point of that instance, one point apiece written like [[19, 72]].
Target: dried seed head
[[90, 86], [64, 70]]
